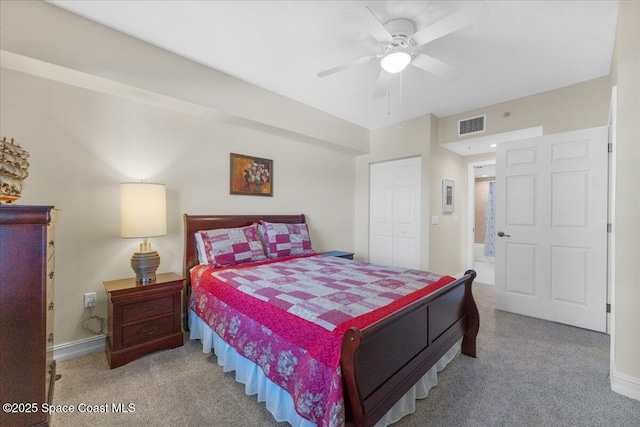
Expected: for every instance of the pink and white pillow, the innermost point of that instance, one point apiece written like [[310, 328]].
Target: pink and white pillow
[[286, 239], [229, 246]]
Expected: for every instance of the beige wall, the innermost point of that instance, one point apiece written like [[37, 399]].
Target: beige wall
[[83, 144], [107, 108], [442, 246], [407, 139], [35, 29], [447, 243], [580, 106], [625, 369]]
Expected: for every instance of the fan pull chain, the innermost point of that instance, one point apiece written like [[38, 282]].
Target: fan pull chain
[[401, 105], [401, 73], [388, 101]]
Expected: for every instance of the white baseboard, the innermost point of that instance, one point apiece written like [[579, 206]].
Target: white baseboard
[[79, 348], [625, 385]]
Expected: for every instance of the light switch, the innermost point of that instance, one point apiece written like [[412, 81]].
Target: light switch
[[435, 220]]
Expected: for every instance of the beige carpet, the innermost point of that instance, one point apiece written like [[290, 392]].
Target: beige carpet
[[528, 372], [164, 388]]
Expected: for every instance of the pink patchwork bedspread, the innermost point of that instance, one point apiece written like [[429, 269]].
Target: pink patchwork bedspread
[[289, 317]]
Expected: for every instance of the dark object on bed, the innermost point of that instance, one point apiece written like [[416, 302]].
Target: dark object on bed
[[383, 361]]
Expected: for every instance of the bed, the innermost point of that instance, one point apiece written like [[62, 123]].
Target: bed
[[379, 363]]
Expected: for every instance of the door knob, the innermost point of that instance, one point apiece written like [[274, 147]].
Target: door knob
[[501, 234]]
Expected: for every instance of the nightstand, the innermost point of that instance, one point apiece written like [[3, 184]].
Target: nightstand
[[339, 254], [143, 318]]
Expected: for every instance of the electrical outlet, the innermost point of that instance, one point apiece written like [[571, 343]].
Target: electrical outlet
[[90, 299]]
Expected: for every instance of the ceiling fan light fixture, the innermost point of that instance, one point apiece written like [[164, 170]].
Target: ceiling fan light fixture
[[395, 62]]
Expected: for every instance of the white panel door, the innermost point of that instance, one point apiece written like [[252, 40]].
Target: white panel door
[[551, 206], [394, 213], [381, 213], [406, 215]]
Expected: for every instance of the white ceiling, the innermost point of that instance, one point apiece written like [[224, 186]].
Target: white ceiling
[[522, 48]]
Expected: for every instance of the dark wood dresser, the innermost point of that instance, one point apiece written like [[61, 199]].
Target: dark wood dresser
[[27, 368]]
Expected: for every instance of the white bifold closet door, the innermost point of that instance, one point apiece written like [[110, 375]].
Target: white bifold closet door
[[394, 213]]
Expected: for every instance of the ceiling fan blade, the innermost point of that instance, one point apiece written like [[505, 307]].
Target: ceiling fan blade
[[454, 22], [374, 26], [382, 86], [359, 61], [437, 67]]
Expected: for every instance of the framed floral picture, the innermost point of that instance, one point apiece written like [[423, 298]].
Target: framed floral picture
[[251, 176], [448, 188]]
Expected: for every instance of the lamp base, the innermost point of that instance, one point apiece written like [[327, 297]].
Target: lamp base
[[145, 264]]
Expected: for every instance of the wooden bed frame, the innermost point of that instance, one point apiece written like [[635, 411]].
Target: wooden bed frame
[[383, 361]]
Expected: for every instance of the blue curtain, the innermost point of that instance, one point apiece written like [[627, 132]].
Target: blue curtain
[[490, 230]]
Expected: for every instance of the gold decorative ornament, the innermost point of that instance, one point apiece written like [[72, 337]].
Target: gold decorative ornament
[[13, 170]]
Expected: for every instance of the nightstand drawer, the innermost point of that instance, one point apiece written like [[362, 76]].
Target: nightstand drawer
[[146, 331], [146, 309]]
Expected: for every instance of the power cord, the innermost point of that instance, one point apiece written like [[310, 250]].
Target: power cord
[[98, 321]]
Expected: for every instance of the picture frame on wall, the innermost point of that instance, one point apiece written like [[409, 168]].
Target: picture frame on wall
[[448, 193], [250, 176]]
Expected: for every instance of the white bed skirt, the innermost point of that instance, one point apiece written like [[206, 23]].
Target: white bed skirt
[[277, 400]]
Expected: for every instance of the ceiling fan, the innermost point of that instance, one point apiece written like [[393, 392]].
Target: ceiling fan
[[401, 45]]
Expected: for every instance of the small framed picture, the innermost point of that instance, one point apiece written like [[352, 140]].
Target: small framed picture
[[251, 176], [448, 189]]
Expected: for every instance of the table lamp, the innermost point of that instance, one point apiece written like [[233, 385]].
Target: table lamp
[[143, 214]]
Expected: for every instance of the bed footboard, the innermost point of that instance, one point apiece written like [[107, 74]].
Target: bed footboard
[[383, 361]]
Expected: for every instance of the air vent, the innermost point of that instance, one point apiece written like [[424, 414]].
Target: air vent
[[472, 125]]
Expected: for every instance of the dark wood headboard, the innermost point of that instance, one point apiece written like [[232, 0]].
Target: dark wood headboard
[[195, 223]]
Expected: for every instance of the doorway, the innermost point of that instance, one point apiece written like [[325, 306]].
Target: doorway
[[481, 248]]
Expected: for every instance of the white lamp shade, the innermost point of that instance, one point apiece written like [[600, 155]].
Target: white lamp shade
[[143, 210], [395, 62]]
